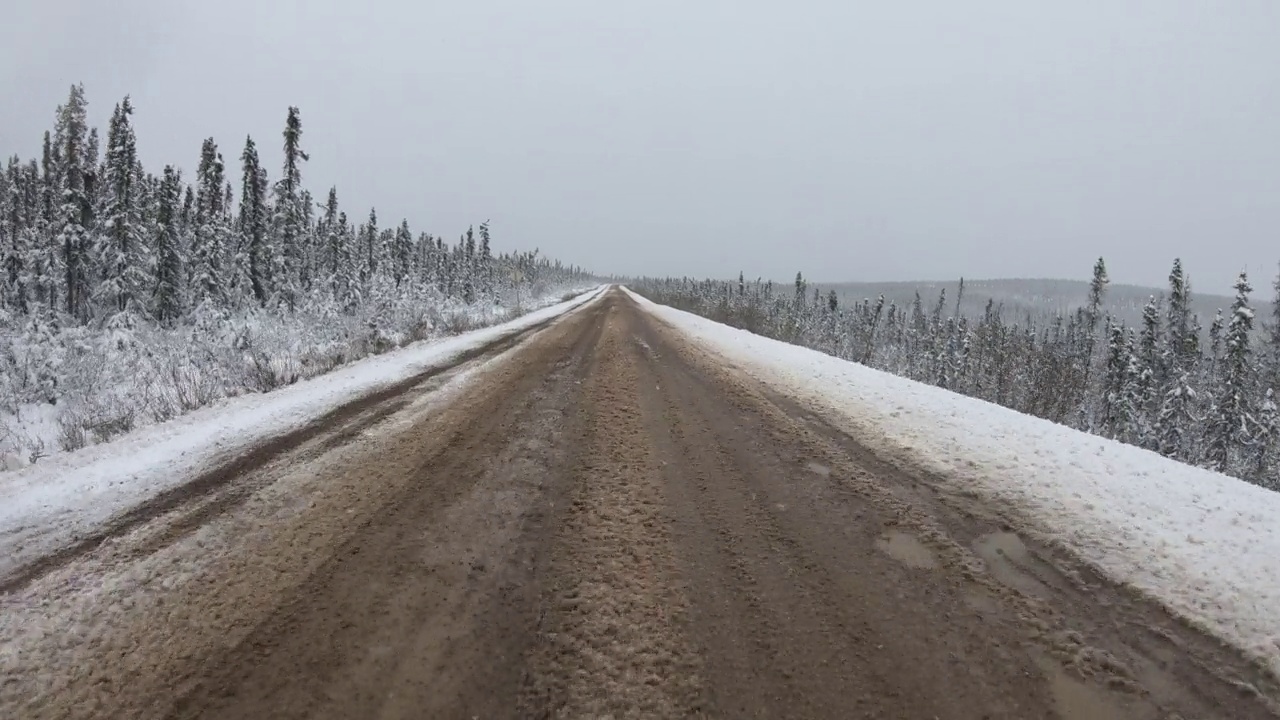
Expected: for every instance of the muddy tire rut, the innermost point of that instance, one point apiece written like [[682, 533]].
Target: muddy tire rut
[[596, 519]]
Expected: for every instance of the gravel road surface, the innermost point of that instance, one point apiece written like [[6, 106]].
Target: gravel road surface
[[592, 519]]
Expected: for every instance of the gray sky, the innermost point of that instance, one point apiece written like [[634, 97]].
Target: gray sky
[[922, 139]]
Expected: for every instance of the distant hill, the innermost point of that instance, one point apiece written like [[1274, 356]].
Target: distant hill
[[1037, 297]]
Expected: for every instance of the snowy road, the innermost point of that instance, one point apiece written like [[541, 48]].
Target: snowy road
[[592, 518]]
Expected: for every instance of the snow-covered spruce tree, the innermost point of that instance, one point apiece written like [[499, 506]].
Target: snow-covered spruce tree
[[1271, 364], [369, 265], [1115, 414], [1233, 403], [401, 254], [167, 300], [73, 215], [253, 223], [288, 225], [945, 363], [346, 280], [1264, 466], [330, 239], [187, 232], [873, 323], [385, 281], [1093, 314], [486, 263], [442, 269], [1150, 371], [208, 253], [1133, 428], [469, 267], [15, 219], [124, 257], [1215, 342], [429, 263], [1179, 355], [308, 244], [1175, 422], [45, 260]]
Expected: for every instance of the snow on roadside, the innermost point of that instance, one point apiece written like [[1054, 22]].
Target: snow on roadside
[[47, 505], [1205, 545]]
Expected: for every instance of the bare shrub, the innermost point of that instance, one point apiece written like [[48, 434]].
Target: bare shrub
[[152, 399], [190, 388], [36, 451], [109, 418], [458, 323], [71, 431], [266, 373], [423, 326], [319, 361]]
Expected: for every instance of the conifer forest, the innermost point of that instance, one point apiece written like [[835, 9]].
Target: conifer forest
[[132, 294]]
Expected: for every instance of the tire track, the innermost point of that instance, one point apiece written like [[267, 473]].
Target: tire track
[[612, 620]]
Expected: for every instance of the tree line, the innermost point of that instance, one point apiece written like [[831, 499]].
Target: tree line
[[88, 237], [1206, 398]]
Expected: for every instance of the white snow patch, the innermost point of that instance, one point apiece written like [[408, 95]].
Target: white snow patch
[[1205, 545], [50, 504]]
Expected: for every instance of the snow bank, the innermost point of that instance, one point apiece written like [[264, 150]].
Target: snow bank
[[45, 506], [1205, 545]]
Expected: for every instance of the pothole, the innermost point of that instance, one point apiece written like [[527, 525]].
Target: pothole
[[907, 549], [1078, 700], [1005, 556], [819, 469]]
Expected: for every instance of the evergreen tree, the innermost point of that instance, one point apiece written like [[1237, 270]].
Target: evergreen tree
[[289, 226], [1272, 361], [187, 230], [346, 281], [402, 253], [308, 242], [1150, 369], [1215, 342], [14, 234], [125, 257], [469, 267], [1233, 412], [253, 222], [1265, 444], [1179, 318], [1097, 290], [209, 246], [369, 244], [1175, 421], [1115, 412], [73, 214], [45, 262], [331, 237], [486, 263], [169, 270]]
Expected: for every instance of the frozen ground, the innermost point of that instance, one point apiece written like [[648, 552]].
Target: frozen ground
[[1205, 545], [47, 505]]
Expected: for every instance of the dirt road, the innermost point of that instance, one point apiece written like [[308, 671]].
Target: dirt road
[[598, 521]]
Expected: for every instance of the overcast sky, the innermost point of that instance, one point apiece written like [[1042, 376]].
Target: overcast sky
[[851, 140]]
